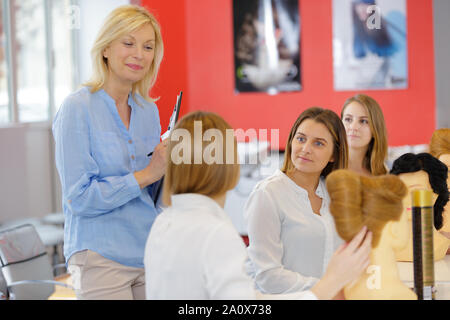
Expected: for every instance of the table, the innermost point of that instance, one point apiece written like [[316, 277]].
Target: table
[[62, 293], [441, 276]]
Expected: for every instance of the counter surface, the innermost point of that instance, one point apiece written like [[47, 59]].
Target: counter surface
[[441, 276]]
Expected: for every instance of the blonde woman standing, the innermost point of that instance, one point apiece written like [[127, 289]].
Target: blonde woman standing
[[366, 135], [103, 133]]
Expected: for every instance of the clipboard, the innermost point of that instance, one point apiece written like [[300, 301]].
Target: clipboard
[[173, 119]]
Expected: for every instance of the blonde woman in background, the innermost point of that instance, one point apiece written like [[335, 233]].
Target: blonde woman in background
[[103, 133], [193, 250], [366, 135]]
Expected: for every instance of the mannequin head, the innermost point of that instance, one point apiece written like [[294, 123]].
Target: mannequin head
[[363, 117], [357, 201], [440, 142], [375, 202], [418, 167], [440, 146]]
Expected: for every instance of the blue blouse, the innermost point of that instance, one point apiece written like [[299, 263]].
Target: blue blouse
[[105, 209]]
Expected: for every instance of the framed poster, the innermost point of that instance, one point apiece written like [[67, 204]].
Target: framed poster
[[266, 46], [369, 44]]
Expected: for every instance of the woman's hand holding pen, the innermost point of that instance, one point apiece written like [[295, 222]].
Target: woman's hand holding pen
[[156, 168]]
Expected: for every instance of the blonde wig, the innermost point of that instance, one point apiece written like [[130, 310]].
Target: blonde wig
[[371, 201], [440, 142]]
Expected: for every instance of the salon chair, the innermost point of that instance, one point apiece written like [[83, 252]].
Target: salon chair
[[25, 265]]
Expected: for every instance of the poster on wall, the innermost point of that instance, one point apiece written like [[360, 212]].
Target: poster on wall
[[369, 45], [266, 46]]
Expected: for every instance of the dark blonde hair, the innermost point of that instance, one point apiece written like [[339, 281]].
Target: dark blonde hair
[[358, 201], [212, 179], [121, 21], [337, 130], [440, 142], [378, 146]]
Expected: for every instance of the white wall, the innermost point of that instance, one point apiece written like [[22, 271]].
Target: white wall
[[26, 187], [93, 13], [441, 10]]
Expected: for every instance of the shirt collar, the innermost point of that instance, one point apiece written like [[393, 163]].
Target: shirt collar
[[319, 190], [187, 201], [112, 103]]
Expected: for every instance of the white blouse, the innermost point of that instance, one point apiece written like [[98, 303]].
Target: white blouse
[[194, 252], [290, 245]]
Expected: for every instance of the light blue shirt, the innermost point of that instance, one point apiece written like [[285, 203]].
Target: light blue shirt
[[105, 209]]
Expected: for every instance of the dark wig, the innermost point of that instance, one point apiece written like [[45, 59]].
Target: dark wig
[[437, 174]]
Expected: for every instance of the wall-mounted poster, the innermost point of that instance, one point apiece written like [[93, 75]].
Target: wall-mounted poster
[[369, 44], [266, 46]]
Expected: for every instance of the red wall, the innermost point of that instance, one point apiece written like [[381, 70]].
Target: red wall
[[198, 36], [172, 77]]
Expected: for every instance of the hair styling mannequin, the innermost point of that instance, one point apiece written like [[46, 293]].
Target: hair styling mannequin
[[375, 202], [440, 148], [440, 143], [423, 171]]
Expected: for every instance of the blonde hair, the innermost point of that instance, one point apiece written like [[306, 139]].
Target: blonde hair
[[440, 142], [337, 130], [378, 146], [357, 201], [211, 180], [121, 21]]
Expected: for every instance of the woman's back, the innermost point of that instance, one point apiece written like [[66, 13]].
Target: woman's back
[[194, 245]]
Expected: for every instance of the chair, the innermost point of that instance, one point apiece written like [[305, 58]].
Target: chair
[[25, 264], [3, 287], [51, 235]]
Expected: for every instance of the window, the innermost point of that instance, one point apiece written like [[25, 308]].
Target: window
[[35, 58], [4, 100], [30, 62], [65, 21]]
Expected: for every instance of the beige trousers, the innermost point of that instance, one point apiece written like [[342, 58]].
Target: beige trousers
[[97, 278]]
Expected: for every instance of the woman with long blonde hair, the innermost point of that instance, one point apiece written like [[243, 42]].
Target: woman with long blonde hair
[[366, 135], [103, 133]]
